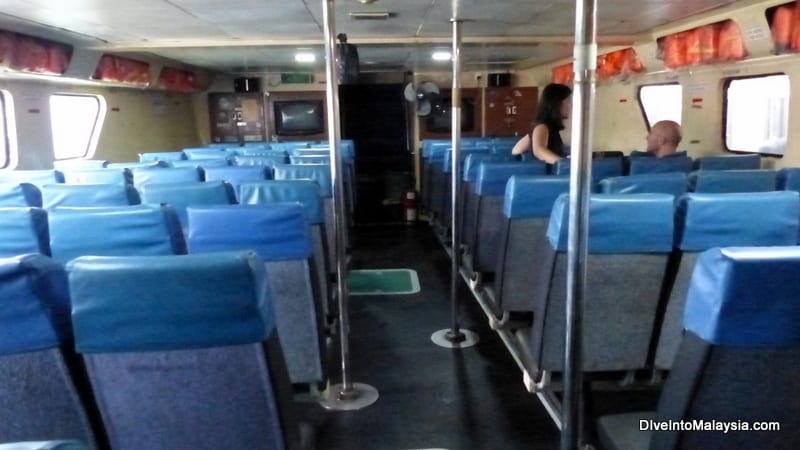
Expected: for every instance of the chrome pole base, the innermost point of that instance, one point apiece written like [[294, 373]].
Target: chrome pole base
[[448, 339], [360, 396]]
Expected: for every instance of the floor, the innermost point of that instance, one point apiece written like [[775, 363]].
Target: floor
[[430, 397]]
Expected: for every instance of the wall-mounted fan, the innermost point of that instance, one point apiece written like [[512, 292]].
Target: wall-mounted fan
[[426, 96]]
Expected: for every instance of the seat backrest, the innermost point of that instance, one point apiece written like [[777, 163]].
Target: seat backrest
[[721, 181], [639, 165], [474, 160], [161, 156], [44, 445], [40, 397], [97, 176], [204, 153], [54, 195], [321, 173], [35, 177], [673, 183], [463, 153], [191, 325], [493, 176], [739, 360], [20, 195], [789, 179], [79, 164], [114, 231], [200, 163], [236, 175], [159, 175], [247, 151], [728, 162], [601, 168], [260, 160], [306, 192], [182, 195], [133, 165], [24, 230]]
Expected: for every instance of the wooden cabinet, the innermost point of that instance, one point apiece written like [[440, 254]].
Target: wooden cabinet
[[510, 110], [237, 117]]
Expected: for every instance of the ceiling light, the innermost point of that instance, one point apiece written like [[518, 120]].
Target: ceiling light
[[305, 57], [441, 56], [371, 15], [366, 2]]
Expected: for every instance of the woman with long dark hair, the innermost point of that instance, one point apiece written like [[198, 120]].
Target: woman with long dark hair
[[544, 140]]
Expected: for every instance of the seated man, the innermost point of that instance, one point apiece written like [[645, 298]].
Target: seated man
[[664, 138]]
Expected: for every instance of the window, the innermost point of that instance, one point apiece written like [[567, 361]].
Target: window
[[76, 121], [661, 102], [757, 114], [8, 138]]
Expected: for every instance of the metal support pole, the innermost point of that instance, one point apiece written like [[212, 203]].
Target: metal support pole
[[585, 63], [455, 337], [348, 395]]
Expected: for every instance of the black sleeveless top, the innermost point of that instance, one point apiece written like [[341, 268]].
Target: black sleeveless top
[[554, 141]]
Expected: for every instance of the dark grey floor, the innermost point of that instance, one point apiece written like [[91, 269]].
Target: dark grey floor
[[430, 397]]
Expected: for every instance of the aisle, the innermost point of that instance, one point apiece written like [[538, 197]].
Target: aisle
[[430, 397]]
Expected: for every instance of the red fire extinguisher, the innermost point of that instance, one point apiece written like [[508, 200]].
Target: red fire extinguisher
[[410, 206]]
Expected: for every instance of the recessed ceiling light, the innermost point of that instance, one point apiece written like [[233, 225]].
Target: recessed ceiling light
[[441, 56], [305, 57]]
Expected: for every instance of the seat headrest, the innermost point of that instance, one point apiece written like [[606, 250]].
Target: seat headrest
[[619, 223], [277, 232], [115, 231], [245, 151], [306, 192], [601, 168], [199, 163], [157, 303], [728, 162], [20, 195], [133, 165], [703, 221], [158, 175], [722, 181], [789, 179], [89, 195], [463, 152], [236, 175], [346, 149], [35, 311], [181, 195], [263, 161], [493, 176], [431, 146], [160, 156], [473, 161], [204, 153], [24, 230], [640, 165], [673, 183], [746, 297], [97, 176], [321, 173], [533, 196]]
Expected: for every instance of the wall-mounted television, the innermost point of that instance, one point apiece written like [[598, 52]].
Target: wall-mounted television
[[440, 119], [299, 117]]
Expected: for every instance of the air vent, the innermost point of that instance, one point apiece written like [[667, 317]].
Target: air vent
[[371, 15]]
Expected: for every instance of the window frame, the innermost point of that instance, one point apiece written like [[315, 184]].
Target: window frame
[[726, 82], [8, 123], [641, 104], [94, 136]]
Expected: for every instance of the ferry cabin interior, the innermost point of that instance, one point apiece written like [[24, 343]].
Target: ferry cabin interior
[[179, 127]]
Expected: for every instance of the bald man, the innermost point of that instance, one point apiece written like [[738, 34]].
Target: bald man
[[664, 138]]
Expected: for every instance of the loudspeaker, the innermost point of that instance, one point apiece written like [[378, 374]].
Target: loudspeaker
[[499, 79], [247, 84]]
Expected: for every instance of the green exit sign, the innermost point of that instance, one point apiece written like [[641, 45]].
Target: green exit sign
[[297, 78]]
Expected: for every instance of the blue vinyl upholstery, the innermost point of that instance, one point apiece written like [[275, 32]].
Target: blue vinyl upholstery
[[236, 175], [114, 231], [204, 153], [188, 301], [703, 221], [474, 160], [610, 227], [746, 297], [245, 151], [36, 177], [492, 177], [35, 312], [67, 164], [182, 195], [321, 173], [161, 156], [54, 195], [200, 163], [721, 181], [673, 183], [20, 195], [160, 175], [97, 176], [789, 179], [44, 445], [276, 232], [601, 168], [23, 230], [463, 153], [641, 165], [309, 159], [728, 162], [533, 196], [264, 161], [306, 192], [134, 165]]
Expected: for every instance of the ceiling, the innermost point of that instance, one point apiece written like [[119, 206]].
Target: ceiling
[[260, 36]]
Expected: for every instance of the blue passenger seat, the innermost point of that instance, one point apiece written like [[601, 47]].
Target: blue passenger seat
[[673, 183], [158, 175], [97, 176], [24, 230], [182, 195], [729, 181], [279, 234], [115, 231], [36, 177], [20, 195], [236, 175], [204, 153], [263, 161], [79, 164], [728, 162], [149, 157], [639, 165], [601, 168], [738, 362], [40, 397], [704, 221], [44, 445], [54, 195], [789, 179], [181, 351]]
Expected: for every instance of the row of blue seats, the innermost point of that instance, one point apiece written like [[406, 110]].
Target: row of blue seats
[[143, 352]]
